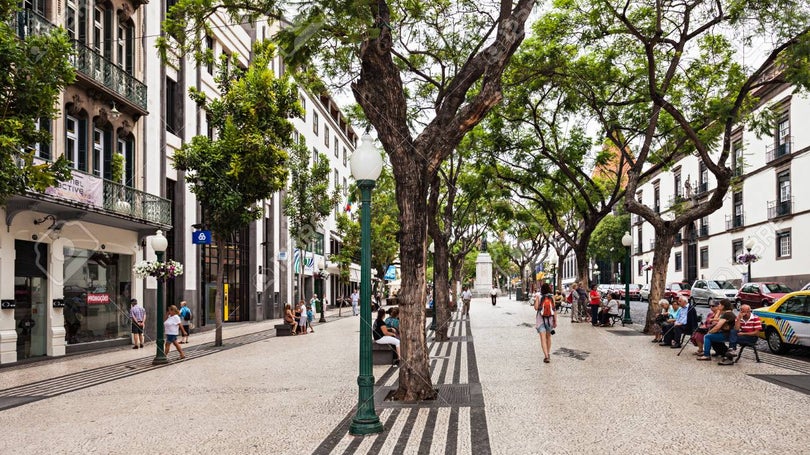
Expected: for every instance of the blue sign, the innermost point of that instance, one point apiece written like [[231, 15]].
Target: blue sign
[[201, 238], [391, 273]]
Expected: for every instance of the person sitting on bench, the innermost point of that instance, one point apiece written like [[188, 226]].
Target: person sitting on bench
[[679, 305], [382, 334], [719, 332], [289, 319], [610, 308], [747, 327]]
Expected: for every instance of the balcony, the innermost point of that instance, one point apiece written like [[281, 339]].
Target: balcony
[[776, 151], [136, 204], [735, 222], [777, 209], [703, 231], [637, 250], [702, 188], [89, 63], [678, 239]]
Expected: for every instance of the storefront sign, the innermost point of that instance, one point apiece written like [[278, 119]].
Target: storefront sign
[[98, 299], [82, 188], [8, 304], [58, 303]]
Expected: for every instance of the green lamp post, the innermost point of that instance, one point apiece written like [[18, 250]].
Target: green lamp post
[[159, 244], [366, 164], [627, 241]]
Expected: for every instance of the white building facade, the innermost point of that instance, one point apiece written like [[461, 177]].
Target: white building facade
[[768, 203]]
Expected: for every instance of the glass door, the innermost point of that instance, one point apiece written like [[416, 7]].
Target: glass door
[[30, 316]]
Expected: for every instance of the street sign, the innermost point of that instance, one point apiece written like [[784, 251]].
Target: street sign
[[391, 273], [201, 238]]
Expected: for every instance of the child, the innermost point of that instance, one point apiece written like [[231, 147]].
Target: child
[[310, 318]]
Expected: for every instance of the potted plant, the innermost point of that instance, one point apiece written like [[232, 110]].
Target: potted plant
[[117, 171]]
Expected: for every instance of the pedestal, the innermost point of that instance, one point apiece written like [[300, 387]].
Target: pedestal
[[483, 275]]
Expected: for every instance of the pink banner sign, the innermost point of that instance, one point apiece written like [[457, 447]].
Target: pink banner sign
[[98, 299]]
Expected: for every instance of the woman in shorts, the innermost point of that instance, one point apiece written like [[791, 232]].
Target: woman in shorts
[[545, 325], [172, 327]]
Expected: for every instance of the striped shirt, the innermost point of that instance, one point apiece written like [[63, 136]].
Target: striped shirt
[[137, 313], [752, 325]]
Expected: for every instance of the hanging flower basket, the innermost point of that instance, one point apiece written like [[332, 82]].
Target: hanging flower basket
[[747, 258], [161, 270], [647, 267]]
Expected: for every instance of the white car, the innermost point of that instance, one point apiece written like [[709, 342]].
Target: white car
[[645, 293], [706, 291], [806, 287]]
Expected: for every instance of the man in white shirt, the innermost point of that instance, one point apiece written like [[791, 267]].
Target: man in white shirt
[[355, 301], [494, 294], [466, 296]]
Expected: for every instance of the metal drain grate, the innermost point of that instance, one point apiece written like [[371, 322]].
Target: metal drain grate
[[627, 333], [797, 382], [449, 395], [13, 402]]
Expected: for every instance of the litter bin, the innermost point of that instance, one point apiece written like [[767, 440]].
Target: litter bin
[[519, 294]]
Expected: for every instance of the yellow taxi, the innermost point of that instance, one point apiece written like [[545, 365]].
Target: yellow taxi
[[786, 323]]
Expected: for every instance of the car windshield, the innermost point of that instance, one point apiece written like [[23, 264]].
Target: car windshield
[[726, 285], [713, 285], [775, 288]]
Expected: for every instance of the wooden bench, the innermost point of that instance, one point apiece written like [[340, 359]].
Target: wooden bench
[[283, 330], [383, 354]]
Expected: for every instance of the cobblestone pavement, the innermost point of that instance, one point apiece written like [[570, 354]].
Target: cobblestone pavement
[[605, 391]]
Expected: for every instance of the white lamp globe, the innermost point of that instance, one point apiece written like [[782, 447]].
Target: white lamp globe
[[749, 243], [159, 242], [366, 161], [627, 239]]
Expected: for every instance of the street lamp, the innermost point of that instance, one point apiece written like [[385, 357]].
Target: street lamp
[[749, 244], [647, 271], [627, 241], [366, 164], [596, 274], [159, 244]]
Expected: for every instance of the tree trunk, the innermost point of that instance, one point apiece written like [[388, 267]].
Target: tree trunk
[[558, 272], [581, 253], [660, 263], [219, 301], [441, 289], [414, 370]]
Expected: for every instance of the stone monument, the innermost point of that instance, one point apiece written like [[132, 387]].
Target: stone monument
[[483, 272]]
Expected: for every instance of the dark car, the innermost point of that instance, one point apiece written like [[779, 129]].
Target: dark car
[[679, 288], [758, 295], [635, 292]]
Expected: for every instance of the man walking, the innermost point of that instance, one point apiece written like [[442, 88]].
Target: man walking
[[493, 293], [355, 301], [466, 296], [138, 316]]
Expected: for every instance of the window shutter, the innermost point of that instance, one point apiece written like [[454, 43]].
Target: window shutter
[[129, 158], [108, 152], [83, 21], [108, 33], [45, 147], [129, 50], [82, 144]]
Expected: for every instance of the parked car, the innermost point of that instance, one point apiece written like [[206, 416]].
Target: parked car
[[674, 290], [786, 323], [644, 293], [635, 291], [604, 289], [706, 291], [806, 287], [761, 294]]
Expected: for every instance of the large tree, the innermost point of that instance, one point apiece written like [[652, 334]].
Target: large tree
[[246, 161], [425, 73], [670, 78], [36, 68]]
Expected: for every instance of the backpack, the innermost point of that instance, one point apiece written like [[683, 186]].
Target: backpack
[[186, 314], [545, 306]]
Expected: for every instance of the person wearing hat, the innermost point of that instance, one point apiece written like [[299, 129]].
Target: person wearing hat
[[138, 316]]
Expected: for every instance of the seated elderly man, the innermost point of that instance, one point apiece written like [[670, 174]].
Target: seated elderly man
[[747, 326], [670, 329], [719, 333]]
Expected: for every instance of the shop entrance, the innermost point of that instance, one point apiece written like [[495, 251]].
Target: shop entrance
[[31, 298]]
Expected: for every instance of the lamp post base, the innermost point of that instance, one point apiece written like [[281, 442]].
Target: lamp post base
[[160, 356], [364, 426]]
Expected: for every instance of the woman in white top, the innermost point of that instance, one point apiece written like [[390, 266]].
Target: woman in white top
[[172, 327]]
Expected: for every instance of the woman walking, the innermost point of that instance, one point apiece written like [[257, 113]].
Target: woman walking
[[546, 319], [172, 326]]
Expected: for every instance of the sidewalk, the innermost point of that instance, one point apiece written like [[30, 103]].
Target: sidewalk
[[605, 391]]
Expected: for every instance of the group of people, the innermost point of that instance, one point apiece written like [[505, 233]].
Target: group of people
[[303, 316], [386, 329], [177, 322], [721, 326]]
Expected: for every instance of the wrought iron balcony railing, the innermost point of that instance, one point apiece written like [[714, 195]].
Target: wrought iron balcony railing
[[776, 151], [87, 61], [735, 221], [678, 239], [777, 209], [137, 204]]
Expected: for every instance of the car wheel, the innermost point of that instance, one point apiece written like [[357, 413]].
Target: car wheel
[[709, 302], [775, 343]]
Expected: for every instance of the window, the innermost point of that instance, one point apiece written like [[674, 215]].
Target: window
[[174, 107], [295, 136], [678, 261], [98, 28], [345, 156], [737, 159], [704, 227], [345, 186], [209, 47], [43, 149], [37, 6], [98, 151], [314, 156], [737, 199], [703, 178], [71, 24], [315, 123], [736, 249], [336, 146], [326, 136], [76, 142], [783, 244], [318, 247], [337, 180], [303, 102], [121, 45], [640, 267], [129, 163], [783, 137], [657, 199], [783, 203], [209, 127], [704, 257], [678, 190]]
